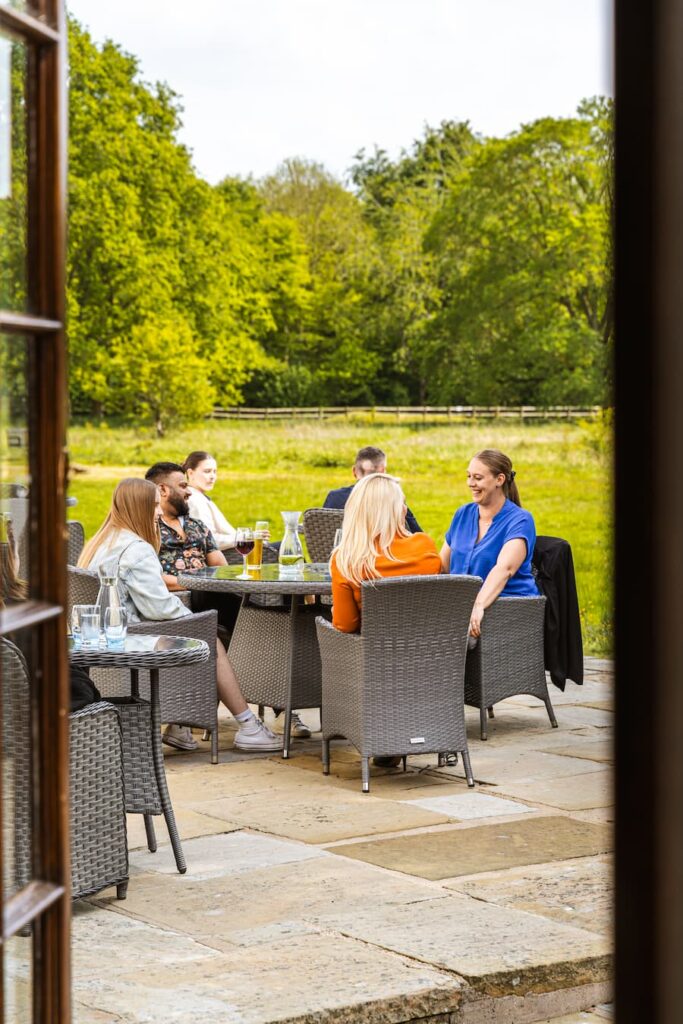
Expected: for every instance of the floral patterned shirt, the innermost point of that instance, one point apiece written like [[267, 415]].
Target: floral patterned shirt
[[177, 555]]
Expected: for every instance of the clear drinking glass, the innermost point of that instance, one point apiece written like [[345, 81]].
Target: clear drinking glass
[[90, 629], [77, 611], [244, 543], [261, 532], [115, 626]]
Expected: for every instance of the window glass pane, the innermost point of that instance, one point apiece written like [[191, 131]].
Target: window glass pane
[[17, 979], [13, 175], [14, 471]]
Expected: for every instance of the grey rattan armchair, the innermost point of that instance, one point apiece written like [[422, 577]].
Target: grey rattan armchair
[[188, 695], [320, 525], [508, 659], [396, 688], [99, 853]]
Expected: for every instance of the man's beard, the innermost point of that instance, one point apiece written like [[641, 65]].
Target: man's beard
[[179, 505]]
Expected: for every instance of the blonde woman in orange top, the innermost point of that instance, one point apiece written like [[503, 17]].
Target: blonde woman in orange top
[[375, 544]]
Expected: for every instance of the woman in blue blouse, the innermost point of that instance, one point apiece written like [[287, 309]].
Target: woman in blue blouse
[[492, 537]]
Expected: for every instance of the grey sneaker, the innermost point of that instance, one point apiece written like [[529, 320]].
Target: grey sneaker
[[180, 737], [300, 730], [254, 735]]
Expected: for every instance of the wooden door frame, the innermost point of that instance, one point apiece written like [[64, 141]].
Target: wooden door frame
[[47, 900]]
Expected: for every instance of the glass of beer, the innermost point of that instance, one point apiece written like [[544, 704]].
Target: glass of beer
[[255, 557]]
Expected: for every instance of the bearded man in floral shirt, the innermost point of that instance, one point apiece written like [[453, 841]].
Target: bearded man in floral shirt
[[186, 543]]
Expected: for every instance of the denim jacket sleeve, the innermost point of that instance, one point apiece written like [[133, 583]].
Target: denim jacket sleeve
[[140, 573]]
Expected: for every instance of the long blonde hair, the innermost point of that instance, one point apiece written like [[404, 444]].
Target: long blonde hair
[[373, 517], [132, 508], [12, 588]]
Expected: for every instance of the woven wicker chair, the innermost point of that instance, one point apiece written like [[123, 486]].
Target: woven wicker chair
[[508, 659], [188, 695], [396, 688], [75, 542], [320, 525], [99, 853]]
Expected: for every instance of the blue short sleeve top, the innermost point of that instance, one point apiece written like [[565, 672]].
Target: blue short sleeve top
[[474, 559]]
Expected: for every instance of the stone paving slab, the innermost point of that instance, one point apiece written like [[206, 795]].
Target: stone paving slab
[[583, 1017], [601, 705], [190, 824], [497, 950], [305, 980], [446, 854], [591, 689], [581, 792], [578, 714], [219, 855], [575, 892], [601, 750], [495, 763], [265, 904], [470, 805], [321, 816]]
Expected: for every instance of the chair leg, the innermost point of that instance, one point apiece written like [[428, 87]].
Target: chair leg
[[288, 732], [468, 768], [260, 711], [490, 710], [482, 719], [206, 735], [151, 837], [121, 890], [326, 757], [405, 762], [214, 745], [365, 773], [551, 713]]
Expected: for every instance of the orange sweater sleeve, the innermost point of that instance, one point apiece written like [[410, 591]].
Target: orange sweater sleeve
[[345, 602]]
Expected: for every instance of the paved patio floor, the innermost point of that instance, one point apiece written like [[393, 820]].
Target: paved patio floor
[[306, 901]]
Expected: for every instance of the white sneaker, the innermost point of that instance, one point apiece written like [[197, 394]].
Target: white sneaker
[[300, 730], [254, 735], [180, 737]]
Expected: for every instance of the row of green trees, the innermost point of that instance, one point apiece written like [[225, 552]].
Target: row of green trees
[[467, 270]]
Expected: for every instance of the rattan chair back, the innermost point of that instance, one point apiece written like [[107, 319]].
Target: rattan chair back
[[397, 688], [320, 526], [16, 768], [99, 851], [509, 658], [75, 541]]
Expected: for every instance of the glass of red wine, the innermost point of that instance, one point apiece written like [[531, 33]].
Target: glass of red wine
[[244, 544]]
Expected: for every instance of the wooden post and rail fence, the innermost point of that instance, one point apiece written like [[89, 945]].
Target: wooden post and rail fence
[[414, 413]]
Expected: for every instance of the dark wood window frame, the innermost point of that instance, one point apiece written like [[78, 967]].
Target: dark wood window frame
[[46, 902]]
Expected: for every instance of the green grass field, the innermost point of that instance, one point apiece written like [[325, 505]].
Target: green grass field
[[266, 467]]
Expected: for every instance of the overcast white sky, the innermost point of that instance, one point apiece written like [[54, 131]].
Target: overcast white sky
[[262, 80]]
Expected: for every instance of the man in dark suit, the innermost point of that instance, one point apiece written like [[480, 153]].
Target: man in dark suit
[[368, 460]]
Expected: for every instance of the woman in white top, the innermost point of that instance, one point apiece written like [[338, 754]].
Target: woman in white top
[[201, 471], [129, 540]]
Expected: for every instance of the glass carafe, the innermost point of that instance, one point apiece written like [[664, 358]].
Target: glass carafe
[[291, 557], [109, 595]]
